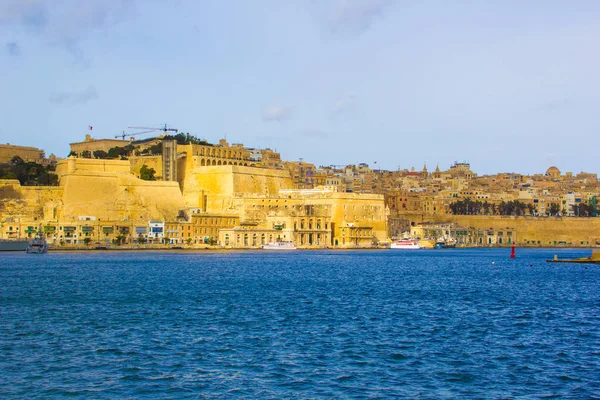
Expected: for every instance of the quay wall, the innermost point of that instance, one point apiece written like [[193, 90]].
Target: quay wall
[[533, 231]]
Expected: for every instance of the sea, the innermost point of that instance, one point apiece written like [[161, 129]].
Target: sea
[[452, 323]]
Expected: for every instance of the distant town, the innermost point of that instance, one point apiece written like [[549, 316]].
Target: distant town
[[178, 190]]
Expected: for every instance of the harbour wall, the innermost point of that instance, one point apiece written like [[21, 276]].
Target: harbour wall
[[532, 231]]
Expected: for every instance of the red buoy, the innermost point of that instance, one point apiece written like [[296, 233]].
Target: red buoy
[[512, 253]]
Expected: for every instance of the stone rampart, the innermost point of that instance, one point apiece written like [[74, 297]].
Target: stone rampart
[[136, 163], [534, 231], [73, 165], [119, 197], [221, 183]]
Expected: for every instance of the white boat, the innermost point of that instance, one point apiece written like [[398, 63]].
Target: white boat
[[37, 246], [406, 244], [284, 245]]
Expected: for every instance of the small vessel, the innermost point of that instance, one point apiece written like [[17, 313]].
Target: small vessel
[[283, 245], [37, 246], [445, 243], [13, 244], [406, 244]]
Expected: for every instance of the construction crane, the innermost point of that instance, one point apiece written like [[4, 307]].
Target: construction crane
[[124, 135], [163, 128]]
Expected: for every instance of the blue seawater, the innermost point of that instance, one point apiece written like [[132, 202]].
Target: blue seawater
[[302, 324]]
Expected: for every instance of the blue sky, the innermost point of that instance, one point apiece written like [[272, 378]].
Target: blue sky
[[505, 85]]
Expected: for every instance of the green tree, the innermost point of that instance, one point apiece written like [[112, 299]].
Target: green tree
[[115, 152], [101, 154], [120, 239], [156, 149], [147, 173], [86, 154], [530, 208], [486, 207], [16, 160], [87, 241]]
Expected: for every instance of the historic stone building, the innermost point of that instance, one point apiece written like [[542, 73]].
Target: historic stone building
[[26, 153]]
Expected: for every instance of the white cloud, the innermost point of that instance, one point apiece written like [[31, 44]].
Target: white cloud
[[81, 97], [276, 113], [65, 23], [349, 18], [26, 12]]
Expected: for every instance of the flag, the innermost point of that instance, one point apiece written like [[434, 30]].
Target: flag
[[91, 127]]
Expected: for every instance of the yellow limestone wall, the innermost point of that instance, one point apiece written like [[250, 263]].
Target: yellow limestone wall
[[8, 151], [221, 183], [72, 165], [136, 162], [576, 232], [361, 209], [106, 189], [30, 202]]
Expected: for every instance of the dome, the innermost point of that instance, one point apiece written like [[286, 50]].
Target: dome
[[553, 171]]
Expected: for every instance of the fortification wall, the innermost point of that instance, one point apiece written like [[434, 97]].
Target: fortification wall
[[119, 197], [104, 189], [72, 165], [535, 231], [136, 162], [91, 145], [34, 202], [221, 183], [8, 151]]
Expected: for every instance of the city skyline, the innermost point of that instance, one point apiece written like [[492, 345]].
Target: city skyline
[[508, 87]]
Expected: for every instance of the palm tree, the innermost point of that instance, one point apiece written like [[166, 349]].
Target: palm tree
[[530, 208]]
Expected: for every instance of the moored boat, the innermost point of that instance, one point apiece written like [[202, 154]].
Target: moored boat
[[445, 243], [406, 244], [37, 246], [283, 245]]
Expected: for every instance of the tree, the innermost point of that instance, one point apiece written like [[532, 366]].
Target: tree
[[147, 173], [120, 239], [486, 207], [101, 154], [142, 240], [186, 138], [554, 209], [87, 241], [189, 241], [156, 149], [115, 152], [16, 160], [530, 208], [86, 154], [28, 173]]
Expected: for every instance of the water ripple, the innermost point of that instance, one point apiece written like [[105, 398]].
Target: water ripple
[[440, 324]]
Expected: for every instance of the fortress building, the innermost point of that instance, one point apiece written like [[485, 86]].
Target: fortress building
[[27, 154]]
